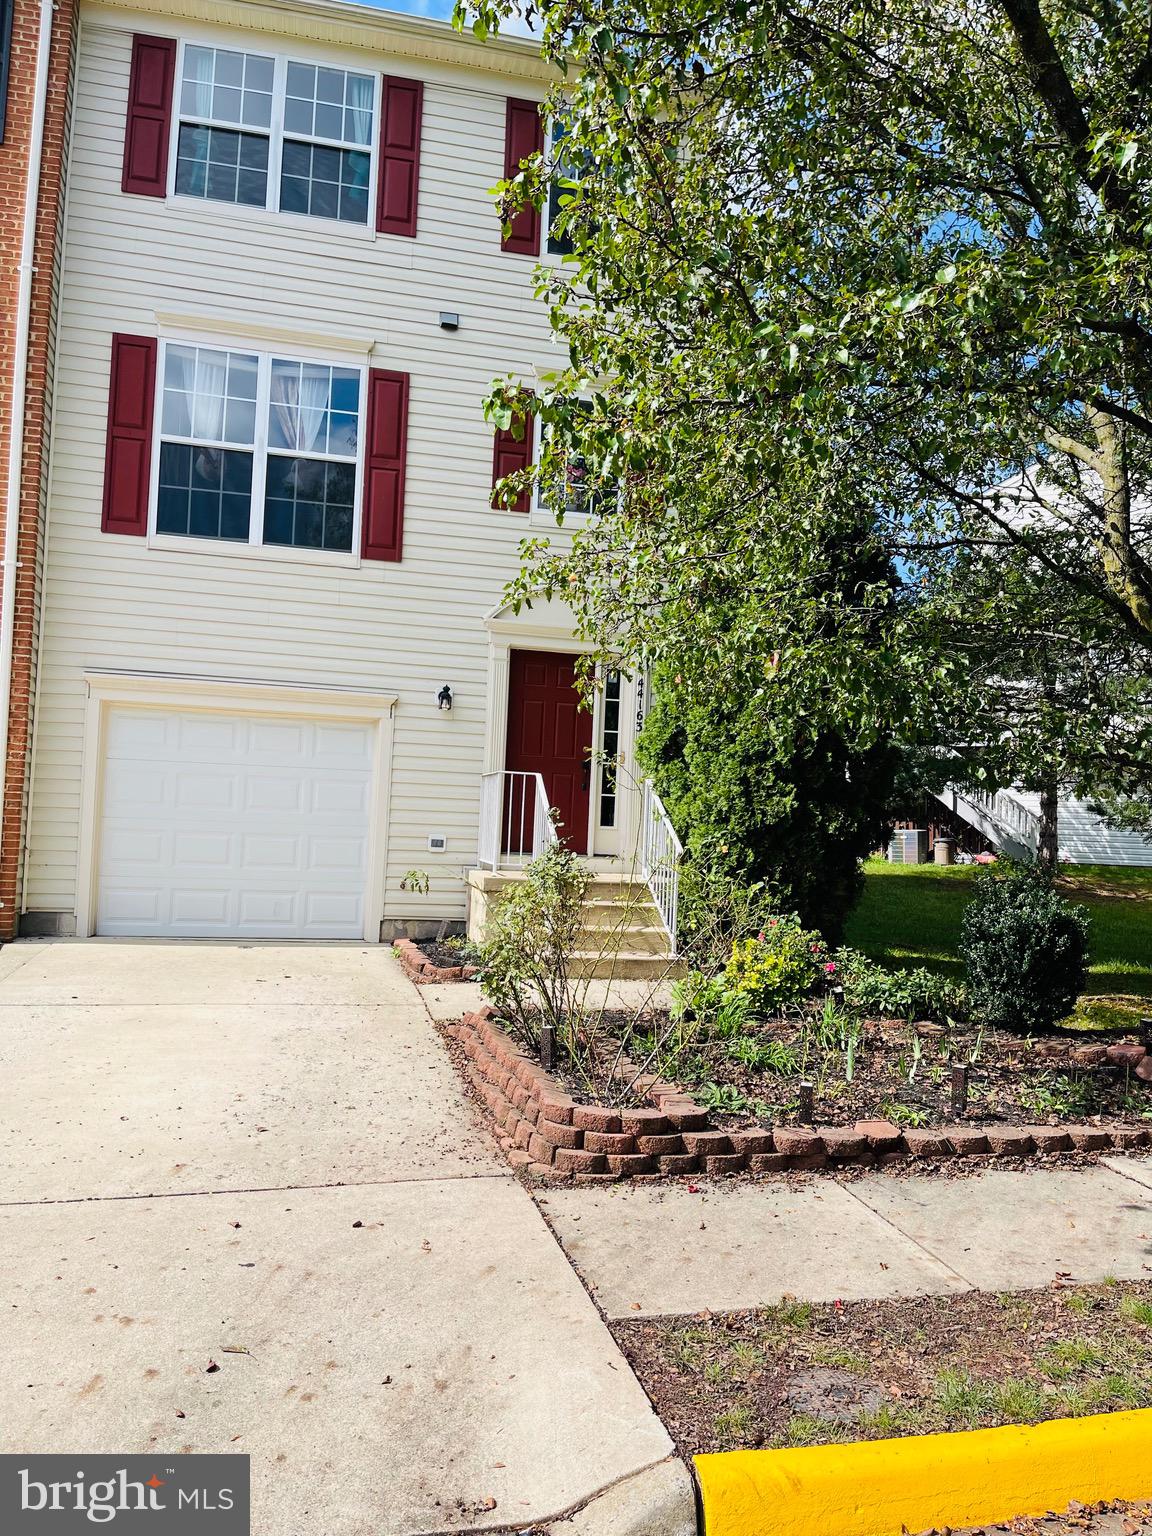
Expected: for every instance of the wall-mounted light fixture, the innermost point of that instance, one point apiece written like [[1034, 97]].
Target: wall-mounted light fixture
[[449, 321], [444, 698]]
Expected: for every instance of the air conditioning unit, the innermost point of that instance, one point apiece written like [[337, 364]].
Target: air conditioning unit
[[909, 845]]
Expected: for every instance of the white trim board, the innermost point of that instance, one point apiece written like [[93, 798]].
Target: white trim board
[[106, 690]]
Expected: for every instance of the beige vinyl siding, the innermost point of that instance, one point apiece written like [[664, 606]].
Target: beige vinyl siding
[[114, 603]]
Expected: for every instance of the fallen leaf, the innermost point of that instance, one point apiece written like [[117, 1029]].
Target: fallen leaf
[[210, 1367], [235, 1349], [357, 1223], [180, 1413]]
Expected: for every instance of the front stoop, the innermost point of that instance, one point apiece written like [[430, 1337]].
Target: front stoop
[[623, 938]]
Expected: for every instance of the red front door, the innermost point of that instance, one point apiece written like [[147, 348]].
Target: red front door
[[549, 734]]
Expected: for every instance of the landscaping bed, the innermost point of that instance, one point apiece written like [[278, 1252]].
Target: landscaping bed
[[429, 961], [805, 1374], [902, 1072], [656, 1128]]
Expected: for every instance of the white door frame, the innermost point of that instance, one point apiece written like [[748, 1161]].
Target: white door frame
[[151, 690], [548, 627]]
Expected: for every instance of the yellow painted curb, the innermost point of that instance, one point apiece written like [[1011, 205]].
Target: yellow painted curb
[[878, 1487]]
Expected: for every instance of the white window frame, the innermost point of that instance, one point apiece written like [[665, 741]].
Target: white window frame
[[255, 545], [546, 235], [275, 135], [540, 513]]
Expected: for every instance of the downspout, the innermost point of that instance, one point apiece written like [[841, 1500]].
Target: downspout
[[20, 385]]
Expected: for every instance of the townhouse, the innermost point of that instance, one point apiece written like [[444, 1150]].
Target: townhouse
[[271, 687]]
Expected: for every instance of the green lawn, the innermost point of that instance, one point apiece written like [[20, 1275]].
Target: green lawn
[[909, 914]]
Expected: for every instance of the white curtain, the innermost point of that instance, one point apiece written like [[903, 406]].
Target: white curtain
[[358, 93], [196, 97], [300, 396], [208, 400]]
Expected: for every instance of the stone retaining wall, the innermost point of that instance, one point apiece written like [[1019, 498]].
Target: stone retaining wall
[[421, 970], [543, 1129]]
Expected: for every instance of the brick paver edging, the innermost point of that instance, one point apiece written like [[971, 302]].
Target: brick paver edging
[[421, 970], [542, 1128]]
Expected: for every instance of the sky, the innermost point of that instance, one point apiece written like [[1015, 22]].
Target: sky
[[439, 10]]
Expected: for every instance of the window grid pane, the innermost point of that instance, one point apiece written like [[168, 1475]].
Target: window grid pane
[[309, 503], [333, 104], [610, 746], [325, 183], [204, 492], [222, 165], [209, 395], [227, 87]]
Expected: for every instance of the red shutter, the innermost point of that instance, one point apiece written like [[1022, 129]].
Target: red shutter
[[510, 454], [148, 129], [523, 137], [384, 464], [128, 457], [401, 111]]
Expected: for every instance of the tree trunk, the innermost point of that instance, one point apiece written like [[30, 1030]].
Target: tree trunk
[[1048, 850]]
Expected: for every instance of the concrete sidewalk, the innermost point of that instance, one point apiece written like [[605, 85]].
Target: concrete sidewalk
[[664, 1249], [259, 1157]]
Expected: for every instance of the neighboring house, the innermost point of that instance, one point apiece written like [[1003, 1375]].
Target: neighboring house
[[37, 41], [1010, 821], [273, 666]]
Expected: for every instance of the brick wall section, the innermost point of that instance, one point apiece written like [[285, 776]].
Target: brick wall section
[[42, 338], [543, 1130]]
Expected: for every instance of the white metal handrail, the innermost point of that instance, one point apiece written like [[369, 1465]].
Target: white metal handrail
[[516, 822], [1005, 810], [660, 854]]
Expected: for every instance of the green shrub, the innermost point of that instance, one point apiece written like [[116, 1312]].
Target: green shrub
[[1025, 949], [874, 990], [780, 966], [524, 957], [710, 1003], [764, 797]]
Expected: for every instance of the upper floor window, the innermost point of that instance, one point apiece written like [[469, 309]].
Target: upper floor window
[[258, 449], [565, 171], [268, 132]]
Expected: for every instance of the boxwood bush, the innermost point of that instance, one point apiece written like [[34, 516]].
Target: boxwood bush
[[1025, 949]]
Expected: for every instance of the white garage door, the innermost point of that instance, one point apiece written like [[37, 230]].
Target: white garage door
[[234, 826]]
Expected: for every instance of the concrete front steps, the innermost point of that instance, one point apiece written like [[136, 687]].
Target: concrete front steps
[[622, 938]]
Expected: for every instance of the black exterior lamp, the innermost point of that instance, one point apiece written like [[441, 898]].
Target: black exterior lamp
[[444, 698]]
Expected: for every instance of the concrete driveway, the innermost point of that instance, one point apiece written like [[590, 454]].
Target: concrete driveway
[[258, 1156]]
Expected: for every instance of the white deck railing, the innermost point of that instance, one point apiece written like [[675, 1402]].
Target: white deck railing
[[660, 853], [1020, 823], [515, 820]]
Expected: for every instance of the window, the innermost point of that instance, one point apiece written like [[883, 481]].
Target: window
[[258, 449], [564, 172], [578, 494], [264, 132], [609, 748]]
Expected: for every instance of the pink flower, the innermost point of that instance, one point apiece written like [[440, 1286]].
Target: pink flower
[[830, 968], [773, 923], [760, 937]]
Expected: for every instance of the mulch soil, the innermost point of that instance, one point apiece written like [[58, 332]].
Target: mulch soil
[[806, 1374], [1118, 1517], [442, 953], [1011, 1080]]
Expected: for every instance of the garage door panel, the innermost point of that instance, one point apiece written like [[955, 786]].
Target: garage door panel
[[216, 825], [280, 741], [271, 853], [339, 796], [327, 910]]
